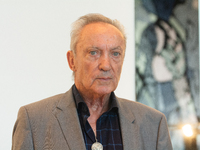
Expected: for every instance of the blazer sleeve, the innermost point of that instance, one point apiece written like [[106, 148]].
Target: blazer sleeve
[[163, 142], [22, 135]]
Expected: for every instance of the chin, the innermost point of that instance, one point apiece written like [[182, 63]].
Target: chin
[[105, 90]]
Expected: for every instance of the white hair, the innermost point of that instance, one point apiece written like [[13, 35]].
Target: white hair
[[79, 24]]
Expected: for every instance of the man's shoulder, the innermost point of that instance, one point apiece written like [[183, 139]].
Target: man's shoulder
[[138, 108], [40, 110], [49, 103]]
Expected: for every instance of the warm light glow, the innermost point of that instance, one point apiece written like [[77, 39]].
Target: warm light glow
[[187, 130]]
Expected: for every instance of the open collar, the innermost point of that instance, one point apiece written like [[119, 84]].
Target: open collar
[[67, 116]]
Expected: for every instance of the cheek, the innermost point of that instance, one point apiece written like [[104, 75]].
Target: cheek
[[118, 75], [87, 69], [118, 69]]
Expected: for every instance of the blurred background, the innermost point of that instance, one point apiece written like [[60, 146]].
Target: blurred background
[[167, 65]]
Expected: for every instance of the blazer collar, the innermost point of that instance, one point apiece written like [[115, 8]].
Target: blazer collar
[[67, 117], [129, 127]]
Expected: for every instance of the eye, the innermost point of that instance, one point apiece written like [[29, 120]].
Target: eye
[[116, 53], [93, 52]]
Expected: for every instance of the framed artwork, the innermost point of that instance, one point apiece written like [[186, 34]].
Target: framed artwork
[[167, 63]]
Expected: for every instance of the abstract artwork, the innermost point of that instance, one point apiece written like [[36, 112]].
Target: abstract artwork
[[167, 62]]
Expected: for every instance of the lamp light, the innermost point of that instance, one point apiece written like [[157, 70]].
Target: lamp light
[[187, 130]]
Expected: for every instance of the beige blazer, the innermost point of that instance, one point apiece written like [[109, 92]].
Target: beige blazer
[[53, 124]]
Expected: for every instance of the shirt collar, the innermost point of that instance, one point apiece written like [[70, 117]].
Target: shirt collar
[[81, 105]]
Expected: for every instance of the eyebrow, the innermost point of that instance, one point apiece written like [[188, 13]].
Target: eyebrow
[[117, 48], [93, 47], [97, 48]]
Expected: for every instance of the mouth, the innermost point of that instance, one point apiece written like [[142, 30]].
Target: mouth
[[104, 78]]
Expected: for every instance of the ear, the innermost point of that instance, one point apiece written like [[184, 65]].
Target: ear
[[71, 59]]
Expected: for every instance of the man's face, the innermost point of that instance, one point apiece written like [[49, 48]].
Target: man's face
[[99, 58]]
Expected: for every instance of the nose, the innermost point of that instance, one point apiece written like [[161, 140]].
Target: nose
[[105, 64]]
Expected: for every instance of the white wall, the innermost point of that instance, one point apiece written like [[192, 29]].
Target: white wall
[[34, 38]]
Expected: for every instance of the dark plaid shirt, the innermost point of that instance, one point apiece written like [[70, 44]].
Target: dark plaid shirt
[[108, 126]]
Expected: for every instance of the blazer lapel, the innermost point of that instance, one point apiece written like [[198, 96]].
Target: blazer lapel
[[129, 129], [67, 117]]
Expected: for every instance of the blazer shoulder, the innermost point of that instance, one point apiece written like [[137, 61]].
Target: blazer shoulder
[[46, 106], [140, 110], [49, 102]]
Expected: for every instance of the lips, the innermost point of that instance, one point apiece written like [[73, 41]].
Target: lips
[[104, 78]]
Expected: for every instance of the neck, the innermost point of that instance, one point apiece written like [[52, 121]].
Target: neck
[[97, 105], [96, 102]]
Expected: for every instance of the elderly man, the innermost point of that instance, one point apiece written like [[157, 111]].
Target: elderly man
[[89, 115]]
